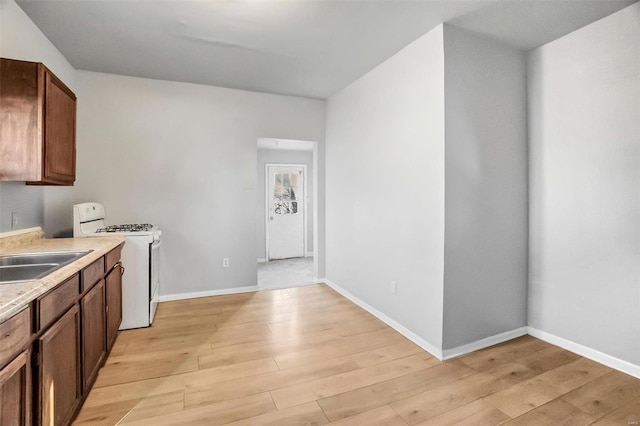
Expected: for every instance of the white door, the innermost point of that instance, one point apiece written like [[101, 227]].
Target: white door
[[285, 211]]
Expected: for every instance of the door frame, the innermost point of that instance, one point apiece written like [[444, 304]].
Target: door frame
[[305, 250]]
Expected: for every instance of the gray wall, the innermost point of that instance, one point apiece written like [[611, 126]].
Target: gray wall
[[385, 187], [21, 39], [277, 156], [584, 132], [26, 201], [485, 257], [184, 157]]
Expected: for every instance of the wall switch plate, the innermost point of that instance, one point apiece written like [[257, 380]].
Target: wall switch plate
[[394, 287], [225, 262], [14, 220]]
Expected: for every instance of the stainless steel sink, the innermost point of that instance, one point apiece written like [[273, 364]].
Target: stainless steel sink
[[32, 266], [58, 257], [10, 274]]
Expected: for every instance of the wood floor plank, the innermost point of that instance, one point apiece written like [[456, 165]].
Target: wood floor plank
[[178, 382], [308, 414], [554, 413], [434, 402], [118, 412], [356, 324], [368, 397], [626, 415], [505, 352], [215, 414], [231, 389], [154, 406], [125, 369], [523, 397], [381, 416], [322, 388], [285, 314], [347, 346], [547, 359], [282, 344], [386, 353], [144, 343], [605, 394], [478, 412]]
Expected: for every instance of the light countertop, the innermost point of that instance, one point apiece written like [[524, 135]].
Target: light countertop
[[13, 297]]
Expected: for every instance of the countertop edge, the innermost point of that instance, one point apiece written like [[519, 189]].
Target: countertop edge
[[14, 297]]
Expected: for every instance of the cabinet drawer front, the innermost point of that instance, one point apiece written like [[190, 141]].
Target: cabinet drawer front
[[14, 335], [113, 257], [57, 301], [92, 274]]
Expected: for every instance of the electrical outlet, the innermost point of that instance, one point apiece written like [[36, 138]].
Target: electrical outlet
[[15, 221], [394, 287], [225, 262]]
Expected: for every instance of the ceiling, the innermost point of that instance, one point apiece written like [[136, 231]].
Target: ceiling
[[310, 48]]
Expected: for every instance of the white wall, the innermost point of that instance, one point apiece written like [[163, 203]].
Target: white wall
[[485, 260], [584, 130], [181, 156], [21, 39], [278, 156], [385, 187]]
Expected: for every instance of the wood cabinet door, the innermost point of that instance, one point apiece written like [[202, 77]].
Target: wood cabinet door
[[114, 303], [21, 99], [93, 333], [59, 132], [59, 370], [15, 392]]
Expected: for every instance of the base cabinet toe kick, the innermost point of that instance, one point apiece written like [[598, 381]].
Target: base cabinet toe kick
[[52, 350]]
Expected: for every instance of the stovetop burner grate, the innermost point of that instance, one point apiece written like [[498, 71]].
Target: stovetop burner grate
[[128, 227]]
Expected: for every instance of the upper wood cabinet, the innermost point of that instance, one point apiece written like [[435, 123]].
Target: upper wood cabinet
[[37, 125]]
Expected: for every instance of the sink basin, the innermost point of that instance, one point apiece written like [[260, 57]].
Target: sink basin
[[58, 257], [11, 274], [32, 266]]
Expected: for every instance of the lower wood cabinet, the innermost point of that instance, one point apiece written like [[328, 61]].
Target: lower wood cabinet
[[113, 287], [92, 306], [15, 392], [51, 351], [58, 381]]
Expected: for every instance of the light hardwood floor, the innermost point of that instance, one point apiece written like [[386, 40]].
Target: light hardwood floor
[[309, 356]]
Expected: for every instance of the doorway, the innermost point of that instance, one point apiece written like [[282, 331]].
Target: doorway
[[286, 213]]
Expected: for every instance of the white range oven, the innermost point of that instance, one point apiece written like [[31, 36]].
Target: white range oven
[[140, 258]]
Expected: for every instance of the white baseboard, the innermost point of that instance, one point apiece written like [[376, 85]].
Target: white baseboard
[[261, 260], [387, 320], [309, 254], [207, 293], [483, 343], [587, 352]]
